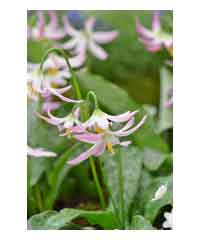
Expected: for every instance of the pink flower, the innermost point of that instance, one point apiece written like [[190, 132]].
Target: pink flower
[[52, 30], [43, 83], [39, 152], [105, 139], [87, 39], [68, 124], [156, 38]]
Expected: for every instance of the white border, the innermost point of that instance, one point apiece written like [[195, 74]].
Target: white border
[[186, 119]]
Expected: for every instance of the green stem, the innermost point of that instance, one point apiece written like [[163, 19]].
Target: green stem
[[38, 197], [110, 193], [93, 95], [77, 91], [121, 188], [98, 186]]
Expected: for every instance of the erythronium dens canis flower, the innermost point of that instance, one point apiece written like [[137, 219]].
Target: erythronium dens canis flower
[[156, 38]]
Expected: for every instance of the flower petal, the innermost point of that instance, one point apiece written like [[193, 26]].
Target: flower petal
[[49, 120], [126, 133], [122, 117], [50, 106], [142, 30], [156, 22], [39, 152], [105, 37], [85, 155], [88, 137], [97, 51], [89, 24], [70, 30]]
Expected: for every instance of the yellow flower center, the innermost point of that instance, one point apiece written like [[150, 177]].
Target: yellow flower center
[[52, 71], [110, 148]]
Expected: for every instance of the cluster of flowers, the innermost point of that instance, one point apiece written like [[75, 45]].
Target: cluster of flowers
[[154, 40], [55, 68], [51, 82]]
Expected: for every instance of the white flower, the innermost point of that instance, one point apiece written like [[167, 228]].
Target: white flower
[[168, 223], [160, 192]]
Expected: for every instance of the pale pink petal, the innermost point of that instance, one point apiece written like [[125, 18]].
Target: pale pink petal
[[50, 106], [156, 22], [49, 120], [101, 150], [126, 133], [85, 155], [65, 99], [54, 34], [153, 48], [39, 152], [88, 137], [128, 125], [53, 19], [70, 44], [142, 30], [105, 37], [122, 117], [70, 30], [97, 51], [89, 24], [168, 42], [40, 24], [78, 129], [79, 59], [56, 119]]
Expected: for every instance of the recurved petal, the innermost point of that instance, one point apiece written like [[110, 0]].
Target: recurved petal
[[122, 117], [105, 37], [156, 22], [142, 30], [95, 149], [88, 137], [39, 152], [89, 24], [97, 51], [70, 30]]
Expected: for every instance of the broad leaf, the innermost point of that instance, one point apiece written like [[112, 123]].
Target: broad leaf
[[58, 220], [132, 163], [140, 223]]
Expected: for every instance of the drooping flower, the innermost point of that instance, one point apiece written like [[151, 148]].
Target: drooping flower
[[105, 139], [67, 125], [39, 152], [168, 223], [160, 192], [87, 39], [156, 38], [46, 83], [42, 30]]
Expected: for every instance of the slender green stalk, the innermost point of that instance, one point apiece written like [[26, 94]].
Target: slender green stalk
[[110, 193], [98, 186], [121, 188], [76, 88]]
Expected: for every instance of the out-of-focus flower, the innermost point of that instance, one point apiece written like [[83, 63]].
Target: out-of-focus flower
[[39, 152], [168, 223], [169, 102], [69, 124], [52, 30], [105, 138], [46, 83], [160, 193], [87, 39], [156, 38]]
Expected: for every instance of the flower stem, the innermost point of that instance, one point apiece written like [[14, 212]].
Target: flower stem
[[98, 186], [76, 88], [121, 187]]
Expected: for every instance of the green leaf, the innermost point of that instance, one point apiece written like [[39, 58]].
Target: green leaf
[[140, 223], [57, 220], [152, 207], [132, 163], [116, 100], [165, 120], [41, 134], [153, 159]]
